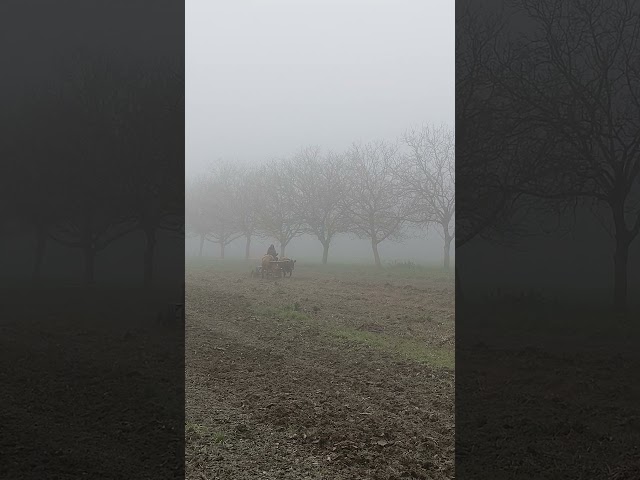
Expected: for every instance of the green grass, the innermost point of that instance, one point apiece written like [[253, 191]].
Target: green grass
[[404, 270], [410, 349], [203, 431], [437, 357], [288, 312], [222, 265]]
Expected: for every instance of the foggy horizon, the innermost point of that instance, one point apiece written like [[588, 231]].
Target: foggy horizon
[[298, 75]]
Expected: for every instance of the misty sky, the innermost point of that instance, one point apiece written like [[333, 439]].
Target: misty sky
[[265, 78]]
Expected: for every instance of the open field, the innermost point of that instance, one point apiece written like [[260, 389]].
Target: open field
[[339, 372]]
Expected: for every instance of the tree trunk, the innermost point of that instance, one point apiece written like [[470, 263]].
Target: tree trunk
[[447, 251], [376, 256], [222, 249], [282, 245], [620, 262], [89, 261], [201, 245], [41, 244], [325, 252], [150, 234], [247, 249]]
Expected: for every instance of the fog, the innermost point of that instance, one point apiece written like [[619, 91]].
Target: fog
[[264, 79], [423, 249]]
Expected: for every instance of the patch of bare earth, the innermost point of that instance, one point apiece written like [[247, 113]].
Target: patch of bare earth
[[91, 386], [542, 412], [272, 396]]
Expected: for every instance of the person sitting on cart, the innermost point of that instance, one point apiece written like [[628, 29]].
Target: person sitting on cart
[[272, 252]]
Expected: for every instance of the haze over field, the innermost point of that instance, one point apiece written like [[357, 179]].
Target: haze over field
[[267, 79]]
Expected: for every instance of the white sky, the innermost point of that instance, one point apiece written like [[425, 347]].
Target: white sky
[[264, 78]]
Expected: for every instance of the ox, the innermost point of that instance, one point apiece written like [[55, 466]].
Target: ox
[[287, 265]]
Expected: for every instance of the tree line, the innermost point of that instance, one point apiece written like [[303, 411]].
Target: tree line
[[373, 190], [109, 163]]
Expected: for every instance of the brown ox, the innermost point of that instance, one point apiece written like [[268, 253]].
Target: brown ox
[[287, 265], [267, 266]]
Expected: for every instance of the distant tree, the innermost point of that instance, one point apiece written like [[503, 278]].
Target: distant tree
[[427, 175], [197, 218], [280, 213], [375, 203], [246, 204], [220, 207], [320, 181]]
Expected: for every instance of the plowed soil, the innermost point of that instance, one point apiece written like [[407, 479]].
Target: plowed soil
[[319, 376]]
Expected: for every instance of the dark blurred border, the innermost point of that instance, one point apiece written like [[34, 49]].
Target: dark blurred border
[[547, 171], [92, 235]]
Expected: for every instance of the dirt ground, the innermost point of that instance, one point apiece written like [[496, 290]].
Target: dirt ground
[[534, 414], [555, 400], [330, 374], [91, 385]]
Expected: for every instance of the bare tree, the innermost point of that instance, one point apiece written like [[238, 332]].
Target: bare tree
[[488, 164], [246, 204], [376, 206], [197, 218], [95, 213], [428, 177], [579, 78], [320, 181], [156, 193], [484, 151], [279, 215], [220, 207]]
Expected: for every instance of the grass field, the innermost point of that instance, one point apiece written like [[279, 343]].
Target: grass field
[[341, 372]]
